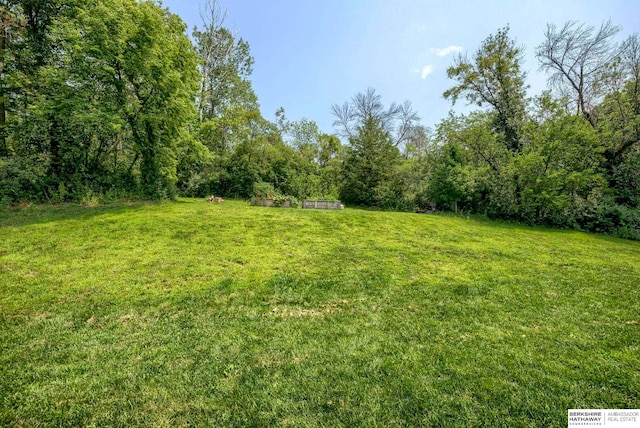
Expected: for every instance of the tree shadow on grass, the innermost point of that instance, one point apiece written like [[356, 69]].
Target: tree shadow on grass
[[42, 214], [506, 225]]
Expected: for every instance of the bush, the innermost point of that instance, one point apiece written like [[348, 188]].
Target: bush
[[22, 179], [625, 180], [279, 199], [263, 190], [617, 220]]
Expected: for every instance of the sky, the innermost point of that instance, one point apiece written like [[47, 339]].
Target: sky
[[311, 54]]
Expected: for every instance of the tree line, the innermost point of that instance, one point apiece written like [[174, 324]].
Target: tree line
[[112, 99], [569, 157]]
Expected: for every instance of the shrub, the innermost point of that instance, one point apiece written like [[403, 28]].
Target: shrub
[[263, 190], [617, 220], [21, 179]]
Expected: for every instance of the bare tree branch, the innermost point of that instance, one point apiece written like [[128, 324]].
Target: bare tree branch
[[575, 56], [344, 118], [397, 119]]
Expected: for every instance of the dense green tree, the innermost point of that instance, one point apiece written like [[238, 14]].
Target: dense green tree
[[625, 179], [98, 97], [225, 65], [494, 78], [10, 29], [619, 112], [469, 164], [369, 164], [373, 173], [149, 64], [558, 178], [265, 159], [330, 162], [555, 180], [446, 184], [318, 158], [238, 129], [602, 81], [34, 53]]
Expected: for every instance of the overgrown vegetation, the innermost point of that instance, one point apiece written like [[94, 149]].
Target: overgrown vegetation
[[550, 166], [105, 99], [231, 315]]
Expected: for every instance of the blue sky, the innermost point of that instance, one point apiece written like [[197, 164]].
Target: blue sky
[[310, 54]]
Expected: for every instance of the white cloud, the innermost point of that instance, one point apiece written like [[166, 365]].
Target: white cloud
[[446, 51], [426, 70]]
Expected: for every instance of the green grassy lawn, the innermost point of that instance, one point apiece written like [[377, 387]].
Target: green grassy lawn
[[188, 313]]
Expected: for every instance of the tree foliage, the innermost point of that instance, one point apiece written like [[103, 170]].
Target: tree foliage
[[369, 165], [575, 164], [100, 100], [225, 65], [111, 98], [494, 78]]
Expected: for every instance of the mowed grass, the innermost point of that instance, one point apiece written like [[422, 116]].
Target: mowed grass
[[188, 313]]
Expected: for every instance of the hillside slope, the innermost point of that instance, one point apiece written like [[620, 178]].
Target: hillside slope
[[189, 313]]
